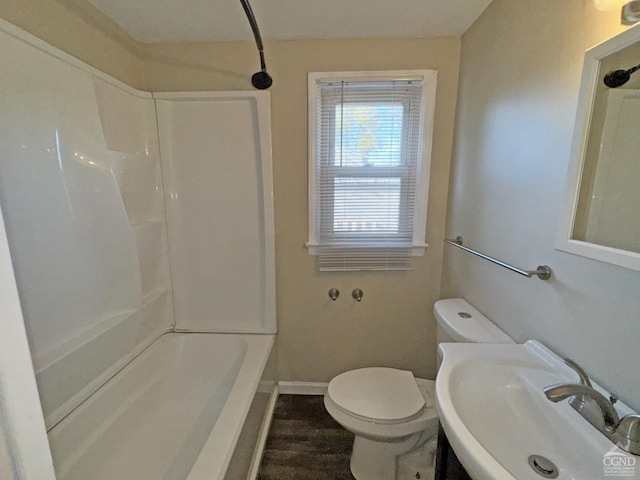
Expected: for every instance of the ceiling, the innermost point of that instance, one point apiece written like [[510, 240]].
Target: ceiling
[[154, 21]]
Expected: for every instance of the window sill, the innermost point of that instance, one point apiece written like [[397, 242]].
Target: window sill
[[417, 249]]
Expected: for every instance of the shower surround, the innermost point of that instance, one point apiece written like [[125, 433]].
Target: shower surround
[[83, 197]]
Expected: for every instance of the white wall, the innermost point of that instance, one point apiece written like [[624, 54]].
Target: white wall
[[520, 76], [216, 166], [84, 215]]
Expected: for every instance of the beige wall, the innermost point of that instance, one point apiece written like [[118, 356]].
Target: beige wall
[[520, 74], [319, 338], [76, 27]]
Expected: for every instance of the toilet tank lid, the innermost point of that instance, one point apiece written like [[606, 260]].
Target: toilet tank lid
[[463, 323]]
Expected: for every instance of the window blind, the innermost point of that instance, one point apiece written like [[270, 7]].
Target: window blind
[[367, 165]]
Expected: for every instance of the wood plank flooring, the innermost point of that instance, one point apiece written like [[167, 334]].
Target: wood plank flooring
[[305, 443]]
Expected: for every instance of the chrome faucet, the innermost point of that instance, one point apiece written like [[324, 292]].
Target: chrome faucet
[[584, 404], [562, 391], [598, 410]]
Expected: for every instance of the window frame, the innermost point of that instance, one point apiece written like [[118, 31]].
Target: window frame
[[427, 107]]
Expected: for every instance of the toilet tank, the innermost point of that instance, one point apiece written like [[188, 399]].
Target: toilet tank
[[459, 322]]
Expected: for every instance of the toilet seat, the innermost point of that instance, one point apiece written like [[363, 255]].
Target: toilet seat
[[375, 429], [377, 394]]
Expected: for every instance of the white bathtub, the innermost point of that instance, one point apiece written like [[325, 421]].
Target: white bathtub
[[176, 412]]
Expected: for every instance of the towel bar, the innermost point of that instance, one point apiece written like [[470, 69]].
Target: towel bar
[[543, 272]]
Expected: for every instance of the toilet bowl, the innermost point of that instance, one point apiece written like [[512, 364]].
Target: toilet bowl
[[401, 417], [392, 413]]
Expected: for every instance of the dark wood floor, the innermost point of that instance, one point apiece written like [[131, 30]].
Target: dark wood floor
[[305, 443]]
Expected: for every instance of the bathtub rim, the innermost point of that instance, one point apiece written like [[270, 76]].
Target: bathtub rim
[[211, 464]]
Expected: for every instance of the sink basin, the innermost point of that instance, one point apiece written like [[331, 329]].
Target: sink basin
[[494, 412]]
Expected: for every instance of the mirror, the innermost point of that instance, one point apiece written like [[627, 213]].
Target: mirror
[[602, 218]]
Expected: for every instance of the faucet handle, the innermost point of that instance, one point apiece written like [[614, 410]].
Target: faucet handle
[[357, 294], [627, 435], [584, 378]]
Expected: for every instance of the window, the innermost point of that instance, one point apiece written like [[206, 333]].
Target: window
[[369, 155]]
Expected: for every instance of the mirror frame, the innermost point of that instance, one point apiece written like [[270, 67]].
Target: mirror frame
[[586, 98]]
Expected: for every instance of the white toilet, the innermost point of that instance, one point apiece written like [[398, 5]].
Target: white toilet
[[391, 412]]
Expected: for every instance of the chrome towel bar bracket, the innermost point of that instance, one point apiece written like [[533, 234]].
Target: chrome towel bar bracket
[[543, 272]]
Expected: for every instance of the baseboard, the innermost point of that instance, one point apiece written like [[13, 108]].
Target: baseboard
[[262, 436], [302, 388]]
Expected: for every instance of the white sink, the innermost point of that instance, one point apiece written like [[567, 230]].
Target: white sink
[[492, 408]]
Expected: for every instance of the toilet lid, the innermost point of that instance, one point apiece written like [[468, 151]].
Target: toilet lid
[[377, 393]]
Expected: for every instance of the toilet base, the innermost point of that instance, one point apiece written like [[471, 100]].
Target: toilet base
[[373, 460], [420, 463]]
